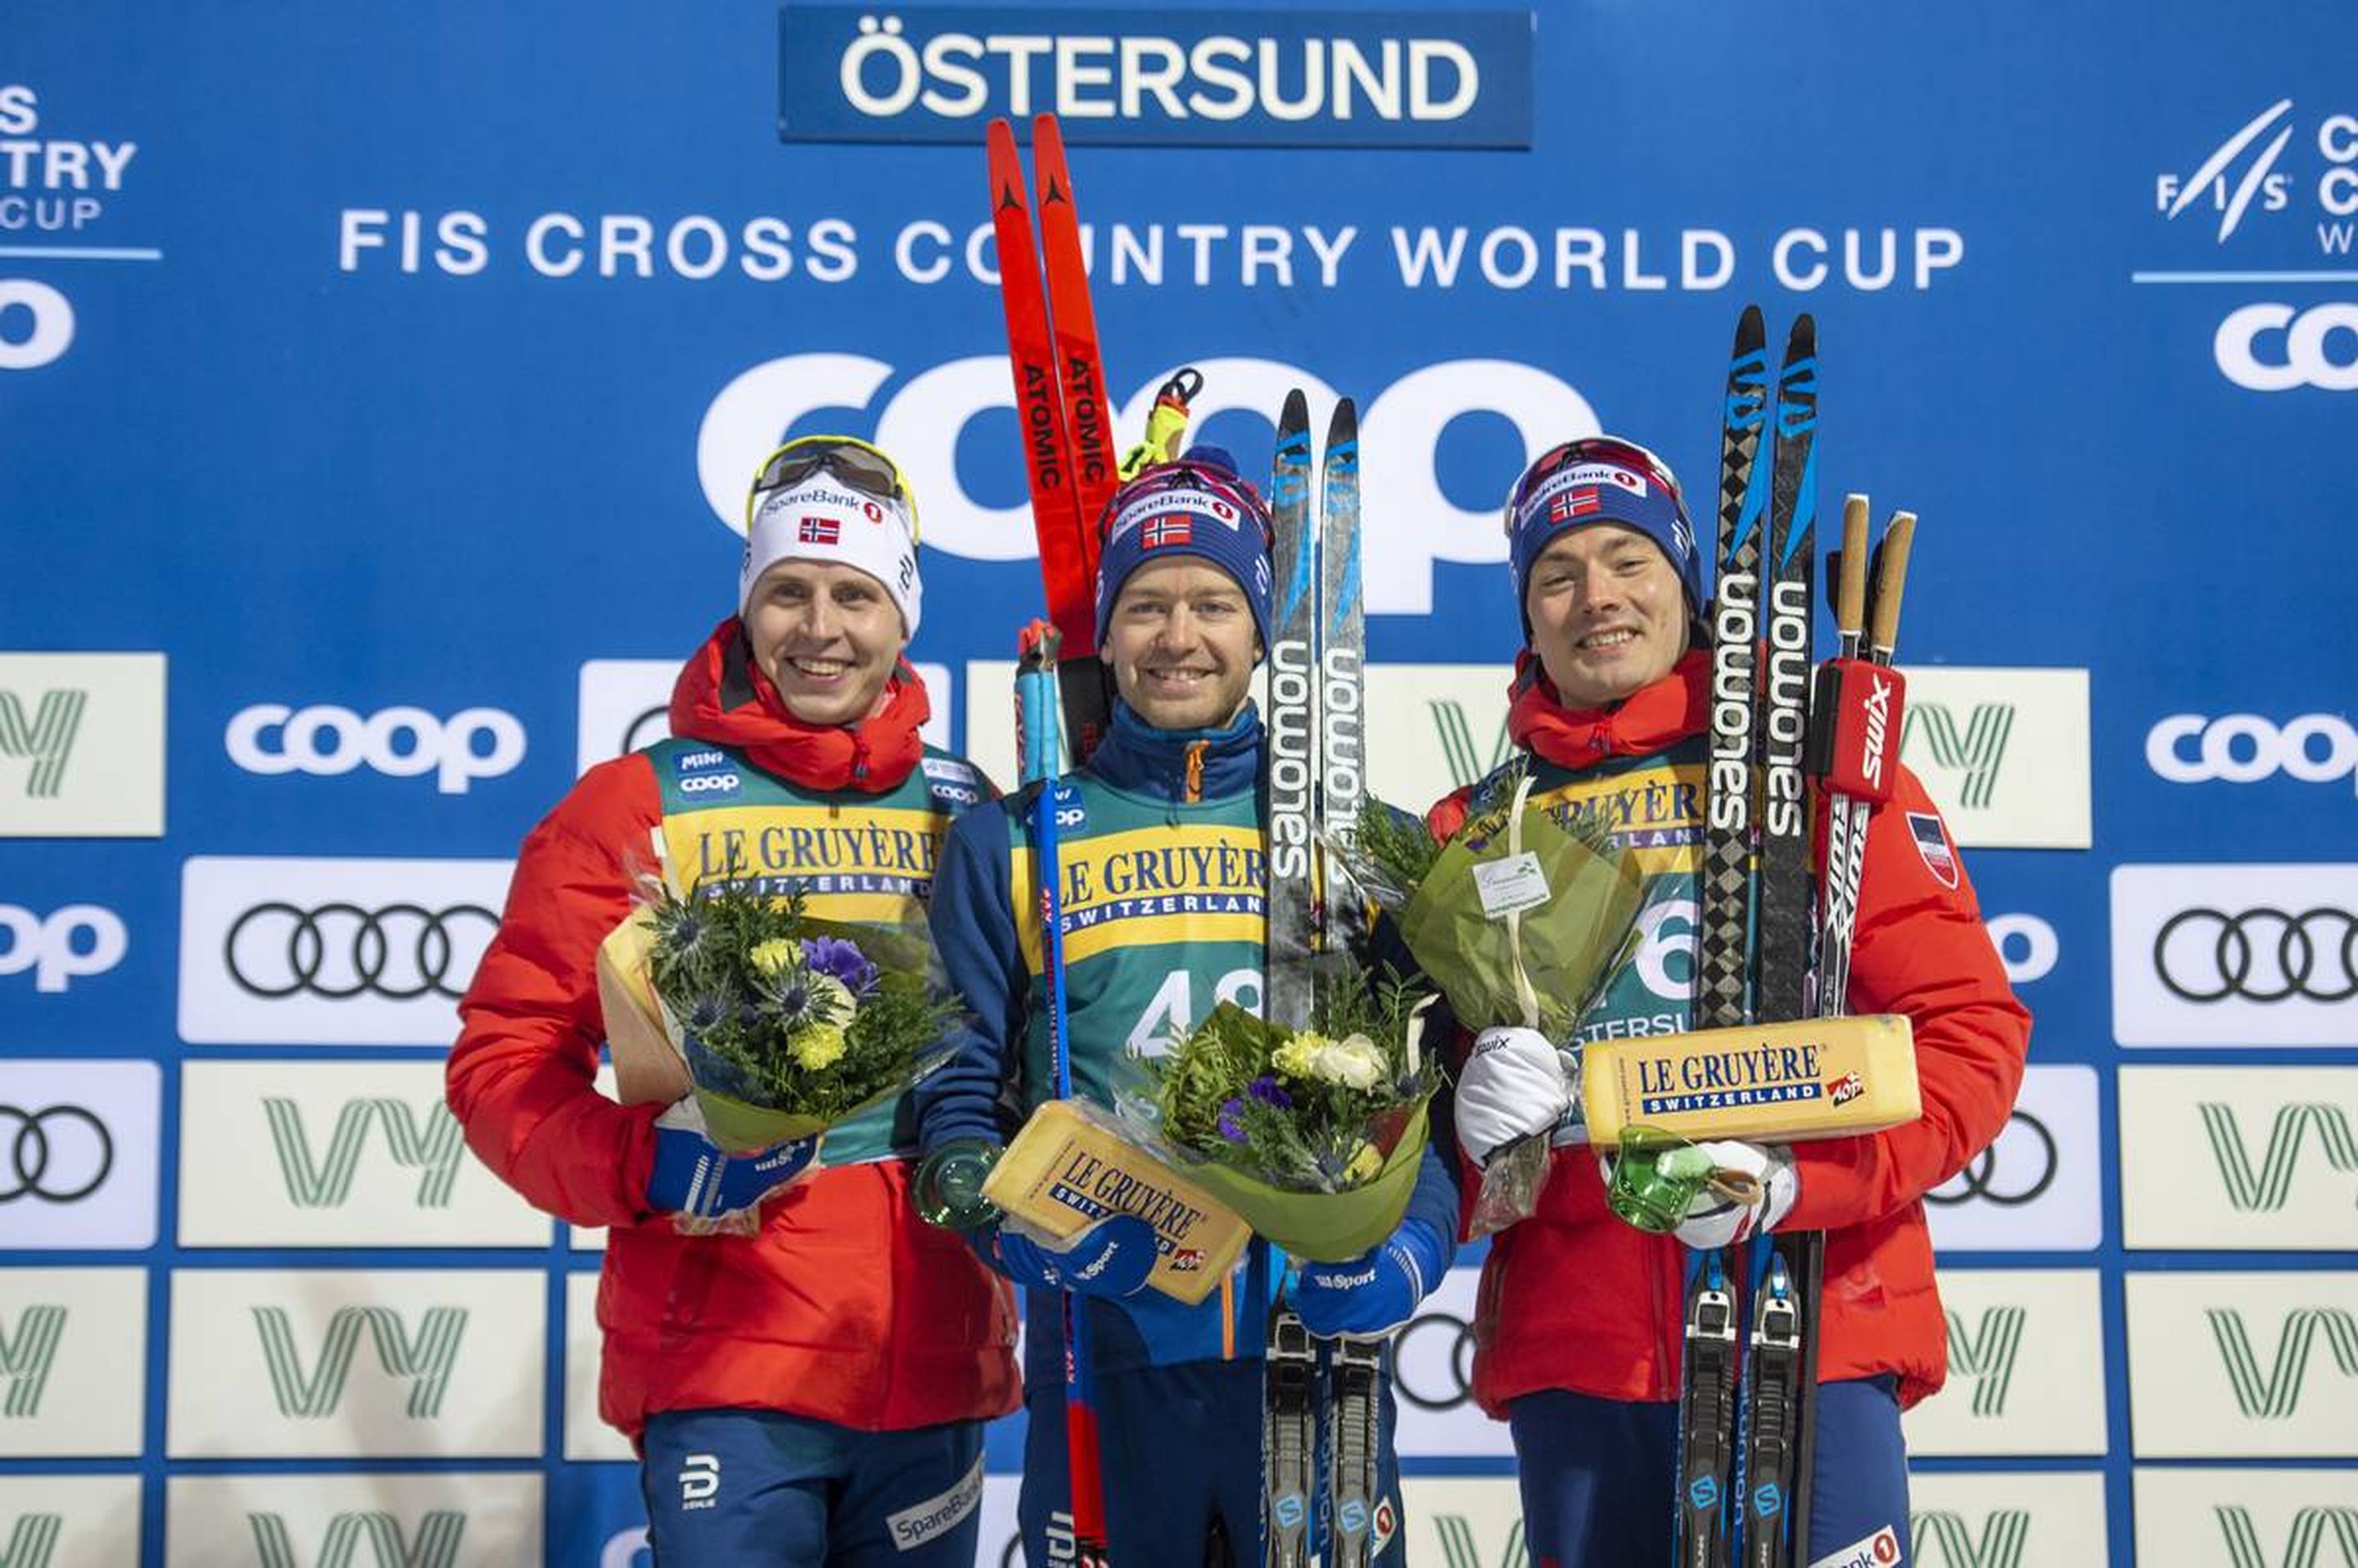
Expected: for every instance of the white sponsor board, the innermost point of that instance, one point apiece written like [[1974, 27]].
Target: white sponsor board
[[2006, 1519], [1432, 728], [586, 1437], [2004, 752], [2038, 1186], [78, 1141], [2242, 1366], [2190, 1517], [2248, 955], [336, 1154], [2240, 1157], [419, 1519], [2026, 1366], [70, 1521], [270, 1364], [1463, 1521], [1432, 1360], [625, 704], [81, 745], [332, 952], [73, 1362]]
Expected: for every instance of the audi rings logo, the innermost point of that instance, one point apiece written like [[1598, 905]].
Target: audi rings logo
[[58, 1153], [2259, 954], [1433, 1361], [2018, 1168], [398, 951]]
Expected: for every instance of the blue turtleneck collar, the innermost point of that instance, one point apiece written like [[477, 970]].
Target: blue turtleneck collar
[[1136, 757]]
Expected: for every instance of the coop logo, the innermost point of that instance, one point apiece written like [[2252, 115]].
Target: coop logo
[[426, 1138], [32, 1541], [2246, 748], [1948, 1539], [69, 943], [1985, 1352], [2274, 346], [2274, 1393], [1257, 77], [423, 1361], [2304, 1543], [923, 422], [435, 1544], [472, 745], [28, 1350]]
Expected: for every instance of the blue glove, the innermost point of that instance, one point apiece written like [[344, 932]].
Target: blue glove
[[1374, 1292], [1111, 1257], [694, 1176]]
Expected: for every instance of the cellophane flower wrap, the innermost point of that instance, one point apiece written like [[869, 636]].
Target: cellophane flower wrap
[[1522, 917], [789, 1024], [1313, 1137]]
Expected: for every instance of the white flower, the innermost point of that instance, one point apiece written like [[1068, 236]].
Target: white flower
[[1354, 1061]]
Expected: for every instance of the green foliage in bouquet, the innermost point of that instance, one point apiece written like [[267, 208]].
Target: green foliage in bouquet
[[784, 1013]]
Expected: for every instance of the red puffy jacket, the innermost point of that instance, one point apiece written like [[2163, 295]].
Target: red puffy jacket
[[1573, 1298], [846, 1306]]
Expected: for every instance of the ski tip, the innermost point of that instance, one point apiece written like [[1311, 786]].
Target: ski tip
[[1343, 425], [1295, 414], [1803, 340], [1752, 326]]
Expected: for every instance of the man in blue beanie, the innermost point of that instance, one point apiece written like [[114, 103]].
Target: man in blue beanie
[[1163, 877]]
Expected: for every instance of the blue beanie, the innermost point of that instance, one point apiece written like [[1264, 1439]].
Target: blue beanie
[[1603, 481], [1195, 507]]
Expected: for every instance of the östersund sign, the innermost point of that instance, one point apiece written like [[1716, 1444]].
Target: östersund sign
[[1268, 78]]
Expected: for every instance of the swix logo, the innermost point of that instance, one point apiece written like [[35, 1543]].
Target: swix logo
[[430, 1143], [26, 1355], [1789, 701], [2304, 1544], [2275, 1395], [1978, 750], [42, 735], [699, 1481], [925, 417], [1731, 702], [2263, 1188], [32, 1540], [1948, 1539], [426, 1361], [1988, 1356], [1877, 707], [1288, 768], [2210, 183], [440, 1532]]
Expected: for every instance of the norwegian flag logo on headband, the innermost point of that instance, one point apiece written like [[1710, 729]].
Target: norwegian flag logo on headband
[[1574, 504], [1161, 531], [819, 531]]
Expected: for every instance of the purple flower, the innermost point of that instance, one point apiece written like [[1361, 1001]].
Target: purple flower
[[1232, 1125], [843, 960], [1266, 1090]]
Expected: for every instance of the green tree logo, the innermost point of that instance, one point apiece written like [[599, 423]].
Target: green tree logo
[[2264, 1188], [436, 1545], [1988, 1357], [32, 1541], [1458, 748], [1458, 1549], [430, 1143], [2304, 1547], [2274, 1394], [45, 739], [1946, 1539], [1978, 750], [26, 1356], [425, 1360]]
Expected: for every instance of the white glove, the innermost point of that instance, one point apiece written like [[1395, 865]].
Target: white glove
[[1515, 1085], [1719, 1218]]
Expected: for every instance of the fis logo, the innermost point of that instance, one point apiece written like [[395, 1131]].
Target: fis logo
[[437, 1546], [425, 1360], [1976, 751], [2231, 194], [26, 1355], [2274, 1394], [2304, 1544], [42, 734], [430, 1143], [1987, 1355], [2264, 1188], [1947, 1538]]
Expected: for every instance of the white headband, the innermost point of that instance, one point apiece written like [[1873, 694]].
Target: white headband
[[823, 520]]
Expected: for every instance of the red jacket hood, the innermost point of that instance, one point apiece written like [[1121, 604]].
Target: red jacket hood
[[723, 697], [1646, 721]]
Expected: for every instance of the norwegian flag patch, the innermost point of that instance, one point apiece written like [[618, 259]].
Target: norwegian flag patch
[[1932, 843], [1160, 532], [818, 531], [1574, 504]]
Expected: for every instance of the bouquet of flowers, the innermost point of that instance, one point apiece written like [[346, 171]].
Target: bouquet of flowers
[[1312, 1136], [786, 1024]]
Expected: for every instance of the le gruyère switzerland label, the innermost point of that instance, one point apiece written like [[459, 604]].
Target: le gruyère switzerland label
[[1066, 1171], [1774, 1083]]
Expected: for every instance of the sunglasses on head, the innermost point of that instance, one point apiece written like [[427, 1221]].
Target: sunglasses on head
[[1610, 449], [845, 458]]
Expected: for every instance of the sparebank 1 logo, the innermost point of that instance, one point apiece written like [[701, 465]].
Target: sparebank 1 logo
[[428, 1141], [2263, 1187], [54, 190], [2304, 1543], [437, 1546], [1972, 749], [27, 1352], [2275, 1393], [32, 1541], [922, 421], [1987, 1353], [424, 1360], [1948, 1539]]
